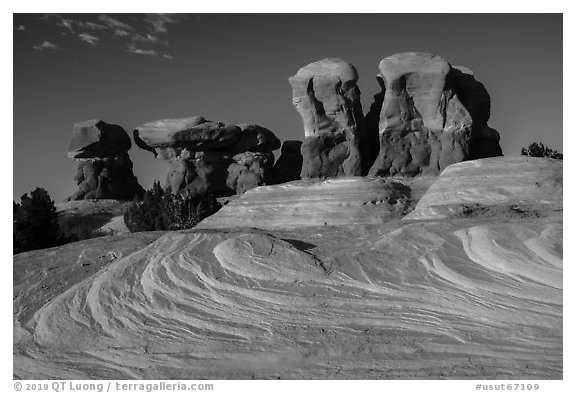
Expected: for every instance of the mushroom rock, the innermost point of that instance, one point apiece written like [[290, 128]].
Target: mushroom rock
[[328, 100], [104, 166], [95, 138], [210, 157], [289, 164], [431, 115], [194, 133]]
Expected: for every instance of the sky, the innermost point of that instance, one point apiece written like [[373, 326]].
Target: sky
[[129, 69]]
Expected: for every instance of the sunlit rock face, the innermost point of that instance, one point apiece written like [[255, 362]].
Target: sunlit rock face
[[210, 157], [104, 166], [315, 279], [430, 115], [525, 187], [328, 100], [306, 203]]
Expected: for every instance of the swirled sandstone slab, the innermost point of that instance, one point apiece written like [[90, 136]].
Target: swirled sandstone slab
[[436, 299], [507, 186], [327, 98], [315, 203], [450, 298]]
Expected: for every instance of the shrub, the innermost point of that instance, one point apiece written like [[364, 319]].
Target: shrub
[[80, 229], [35, 222], [160, 210], [539, 150]]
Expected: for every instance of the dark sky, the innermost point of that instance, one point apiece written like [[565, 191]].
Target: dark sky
[[131, 69]]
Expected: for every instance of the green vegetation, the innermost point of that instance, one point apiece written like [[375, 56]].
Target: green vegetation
[[160, 210], [539, 150]]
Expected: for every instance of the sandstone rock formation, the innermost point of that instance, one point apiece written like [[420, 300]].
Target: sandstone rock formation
[[306, 203], [526, 187], [210, 157], [327, 97], [444, 297], [430, 115], [289, 164], [104, 166]]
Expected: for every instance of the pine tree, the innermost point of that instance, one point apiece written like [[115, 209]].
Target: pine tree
[[160, 210], [35, 222], [539, 150]]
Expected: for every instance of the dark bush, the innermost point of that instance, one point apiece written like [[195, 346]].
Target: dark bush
[[539, 150], [35, 222], [160, 210]]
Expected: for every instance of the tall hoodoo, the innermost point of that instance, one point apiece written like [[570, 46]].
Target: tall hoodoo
[[431, 115], [327, 97], [210, 157], [104, 166]]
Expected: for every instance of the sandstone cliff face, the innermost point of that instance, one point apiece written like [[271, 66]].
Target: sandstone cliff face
[[327, 97], [104, 166], [210, 157], [430, 115]]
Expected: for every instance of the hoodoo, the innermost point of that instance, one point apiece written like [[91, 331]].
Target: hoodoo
[[210, 157], [430, 115], [327, 97], [104, 166]]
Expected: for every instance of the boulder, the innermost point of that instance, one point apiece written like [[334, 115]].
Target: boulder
[[194, 133], [95, 138], [430, 115], [256, 139], [289, 164], [327, 97], [104, 166], [250, 170], [210, 157]]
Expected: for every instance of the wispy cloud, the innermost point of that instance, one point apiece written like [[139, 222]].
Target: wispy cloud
[[140, 51], [47, 45], [121, 33], [114, 23], [71, 24], [146, 38], [89, 38], [136, 37], [159, 22], [67, 23], [94, 26], [21, 28]]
